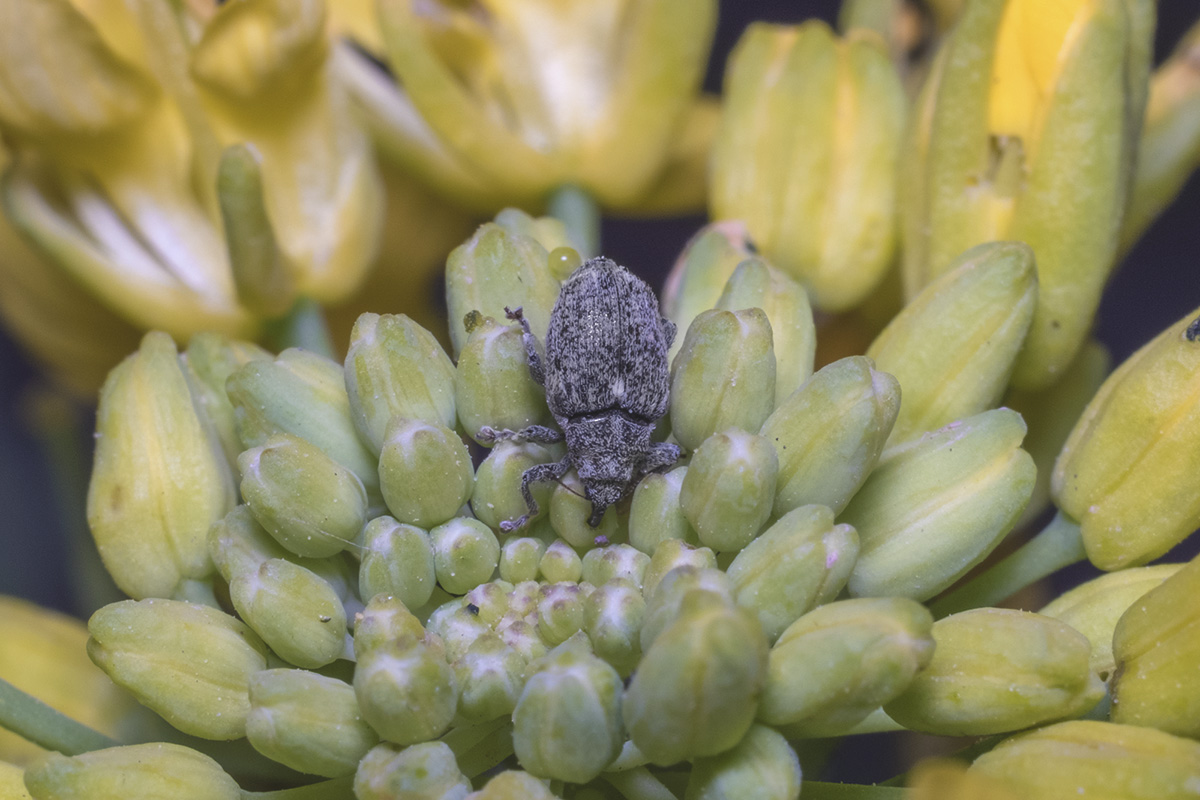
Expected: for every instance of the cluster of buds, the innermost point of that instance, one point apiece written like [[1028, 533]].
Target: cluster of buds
[[318, 567]]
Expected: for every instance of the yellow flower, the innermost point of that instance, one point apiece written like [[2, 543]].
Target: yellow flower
[[502, 101]]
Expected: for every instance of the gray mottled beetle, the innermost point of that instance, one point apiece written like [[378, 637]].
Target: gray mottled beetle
[[607, 380]]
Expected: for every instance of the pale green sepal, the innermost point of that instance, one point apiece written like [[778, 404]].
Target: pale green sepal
[[425, 472], [762, 765], [133, 772], [729, 489], [421, 772], [397, 560]]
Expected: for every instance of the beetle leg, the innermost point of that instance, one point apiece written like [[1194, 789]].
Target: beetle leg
[[534, 433], [660, 456], [527, 338], [669, 329], [535, 474]]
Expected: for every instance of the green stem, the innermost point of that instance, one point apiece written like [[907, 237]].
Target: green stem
[[579, 213], [486, 753], [1058, 545], [30, 718], [336, 789], [816, 790], [304, 326], [639, 784]]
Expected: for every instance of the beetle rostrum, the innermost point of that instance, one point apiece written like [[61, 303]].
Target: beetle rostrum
[[607, 382]]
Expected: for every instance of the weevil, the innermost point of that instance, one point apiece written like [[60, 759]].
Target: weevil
[[607, 383]]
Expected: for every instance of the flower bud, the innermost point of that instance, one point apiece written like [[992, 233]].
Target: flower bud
[[559, 612], [828, 435], [134, 772], [190, 664], [514, 785], [699, 275], [497, 495], [159, 479], [422, 772], [757, 284], [723, 377], [570, 511], [953, 346], [612, 619], [494, 269], [520, 559], [618, 561], [493, 386], [567, 723], [1144, 414], [209, 361], [935, 507], [525, 639], [396, 368], [385, 620], [406, 690], [800, 562], [308, 722], [996, 670], [762, 765], [1084, 758], [465, 554], [838, 663], [1156, 649], [947, 779], [729, 489], [490, 676], [1093, 608], [295, 612], [560, 563], [458, 626], [655, 514], [309, 502], [674, 553], [237, 543], [303, 394], [396, 560], [490, 601], [425, 472], [550, 232], [696, 689], [806, 155]]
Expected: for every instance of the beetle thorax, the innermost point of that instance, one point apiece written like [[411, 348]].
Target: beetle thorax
[[606, 447]]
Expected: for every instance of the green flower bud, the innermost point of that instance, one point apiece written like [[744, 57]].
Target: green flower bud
[[458, 626], [655, 514], [996, 670], [699, 275], [757, 284], [490, 601], [296, 613], [309, 502], [1093, 608], [723, 377], [497, 496], [406, 690], [806, 155], [1157, 649], [425, 472], [567, 724], [385, 620], [663, 604], [954, 345], [493, 386], [828, 434], [190, 664], [549, 232], [612, 619], [729, 489], [559, 612], [520, 559], [421, 772], [134, 772], [209, 361], [524, 638], [618, 561], [237, 543], [570, 511], [696, 689], [514, 785], [1144, 414], [396, 560], [935, 507], [303, 394], [1095, 759], [465, 554], [494, 269], [159, 478], [762, 765], [490, 677], [396, 368], [308, 722], [674, 553], [560, 563], [835, 665], [800, 562]]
